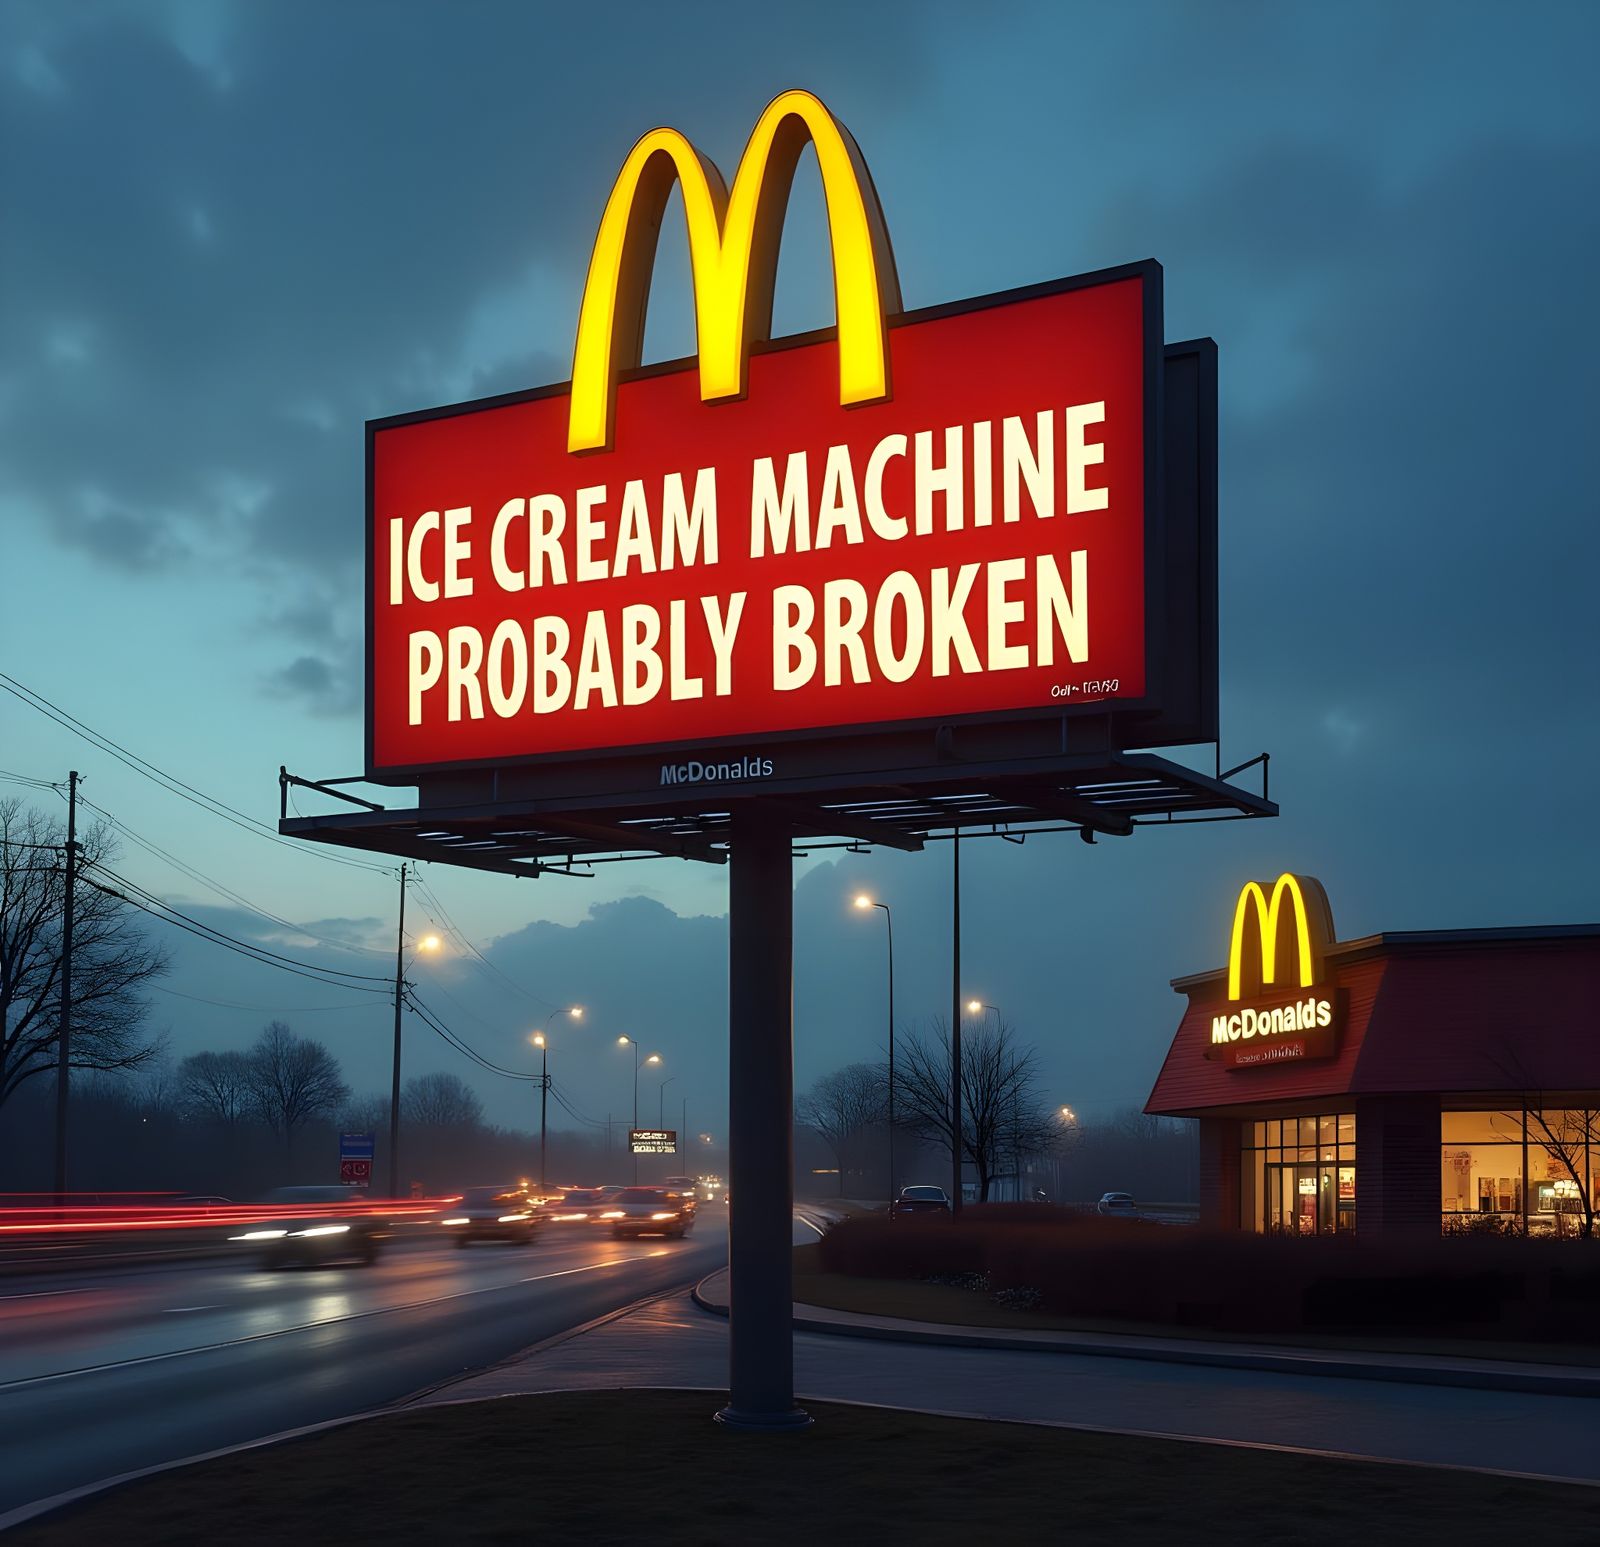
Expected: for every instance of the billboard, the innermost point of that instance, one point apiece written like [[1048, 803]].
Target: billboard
[[653, 1141], [915, 518]]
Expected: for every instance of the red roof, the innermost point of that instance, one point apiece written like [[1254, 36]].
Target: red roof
[[1456, 1011]]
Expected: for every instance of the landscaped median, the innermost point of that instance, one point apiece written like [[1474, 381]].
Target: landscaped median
[[1037, 1269], [649, 1466]]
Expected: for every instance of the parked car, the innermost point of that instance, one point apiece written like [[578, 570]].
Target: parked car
[[1117, 1203], [323, 1227], [920, 1200], [650, 1211], [505, 1213]]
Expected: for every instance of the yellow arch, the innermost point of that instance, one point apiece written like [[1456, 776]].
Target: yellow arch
[[1313, 928], [733, 254]]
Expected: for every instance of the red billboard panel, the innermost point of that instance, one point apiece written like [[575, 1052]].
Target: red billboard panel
[[976, 546]]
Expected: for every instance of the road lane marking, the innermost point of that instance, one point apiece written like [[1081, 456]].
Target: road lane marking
[[178, 1310], [40, 1294], [310, 1326]]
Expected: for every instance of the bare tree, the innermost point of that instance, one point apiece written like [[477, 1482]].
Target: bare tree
[[841, 1105], [999, 1099], [218, 1086], [440, 1101], [365, 1114], [112, 958], [292, 1081]]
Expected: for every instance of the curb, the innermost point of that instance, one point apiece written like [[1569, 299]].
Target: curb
[[1476, 1378]]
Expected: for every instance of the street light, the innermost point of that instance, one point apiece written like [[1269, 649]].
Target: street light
[[639, 1061], [982, 1007], [661, 1101], [540, 1040], [864, 902]]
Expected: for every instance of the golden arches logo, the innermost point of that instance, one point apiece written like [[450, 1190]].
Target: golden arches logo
[[1313, 929], [733, 254]]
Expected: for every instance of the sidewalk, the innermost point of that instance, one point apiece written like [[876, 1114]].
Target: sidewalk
[[1349, 1364], [675, 1342]]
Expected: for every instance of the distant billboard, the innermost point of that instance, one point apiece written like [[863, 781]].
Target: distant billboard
[[653, 1141]]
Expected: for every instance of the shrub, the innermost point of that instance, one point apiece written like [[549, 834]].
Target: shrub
[[1105, 1269]]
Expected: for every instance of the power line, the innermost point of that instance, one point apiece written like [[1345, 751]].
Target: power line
[[460, 1044], [148, 903], [149, 896], [431, 898], [221, 890], [170, 782]]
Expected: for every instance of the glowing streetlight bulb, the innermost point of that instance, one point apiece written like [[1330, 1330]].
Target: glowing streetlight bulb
[[576, 1012], [537, 1039], [863, 901], [973, 1006], [428, 943], [654, 1058], [623, 1041]]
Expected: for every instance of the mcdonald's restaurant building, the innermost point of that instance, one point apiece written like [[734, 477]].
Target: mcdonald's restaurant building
[[1396, 1084]]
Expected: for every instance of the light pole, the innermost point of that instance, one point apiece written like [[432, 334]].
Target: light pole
[[639, 1061], [661, 1101], [864, 902], [1069, 1121], [426, 943], [540, 1040], [981, 1007]]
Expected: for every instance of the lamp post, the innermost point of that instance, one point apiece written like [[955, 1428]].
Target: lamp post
[[979, 1007], [1069, 1121], [426, 943], [639, 1061], [661, 1101], [864, 902], [540, 1040]]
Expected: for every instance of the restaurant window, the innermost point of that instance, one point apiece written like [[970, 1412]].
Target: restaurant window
[[1298, 1174], [1515, 1170]]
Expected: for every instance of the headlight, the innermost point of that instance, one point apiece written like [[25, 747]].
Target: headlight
[[259, 1235], [510, 1219], [455, 1221], [663, 1216], [614, 1214], [322, 1230]]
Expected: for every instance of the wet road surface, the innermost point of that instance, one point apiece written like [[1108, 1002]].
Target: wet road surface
[[105, 1371]]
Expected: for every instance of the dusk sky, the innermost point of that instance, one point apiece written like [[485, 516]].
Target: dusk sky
[[229, 234]]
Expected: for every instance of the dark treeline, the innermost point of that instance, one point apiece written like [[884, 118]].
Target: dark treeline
[[237, 1124]]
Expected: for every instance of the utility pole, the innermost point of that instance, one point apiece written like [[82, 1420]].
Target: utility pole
[[394, 1090], [64, 1032], [544, 1097], [955, 1021]]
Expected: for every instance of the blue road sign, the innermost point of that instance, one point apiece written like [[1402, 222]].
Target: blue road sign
[[355, 1146]]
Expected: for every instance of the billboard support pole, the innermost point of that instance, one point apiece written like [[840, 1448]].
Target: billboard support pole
[[761, 1125], [955, 1021]]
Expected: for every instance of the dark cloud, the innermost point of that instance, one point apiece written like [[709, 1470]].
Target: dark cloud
[[323, 686]]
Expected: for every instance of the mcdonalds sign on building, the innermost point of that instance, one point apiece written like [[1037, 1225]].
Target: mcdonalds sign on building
[[915, 517]]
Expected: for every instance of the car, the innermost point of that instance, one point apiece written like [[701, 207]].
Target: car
[[579, 1205], [920, 1200], [315, 1227], [1117, 1204], [639, 1211], [503, 1213]]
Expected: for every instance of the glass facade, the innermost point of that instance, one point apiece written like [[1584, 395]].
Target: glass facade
[[1518, 1170], [1298, 1174]]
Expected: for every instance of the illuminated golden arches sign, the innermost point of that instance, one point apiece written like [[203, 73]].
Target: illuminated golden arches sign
[[733, 254], [1313, 929]]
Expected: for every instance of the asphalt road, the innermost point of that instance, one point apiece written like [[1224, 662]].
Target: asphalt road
[[102, 1372]]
